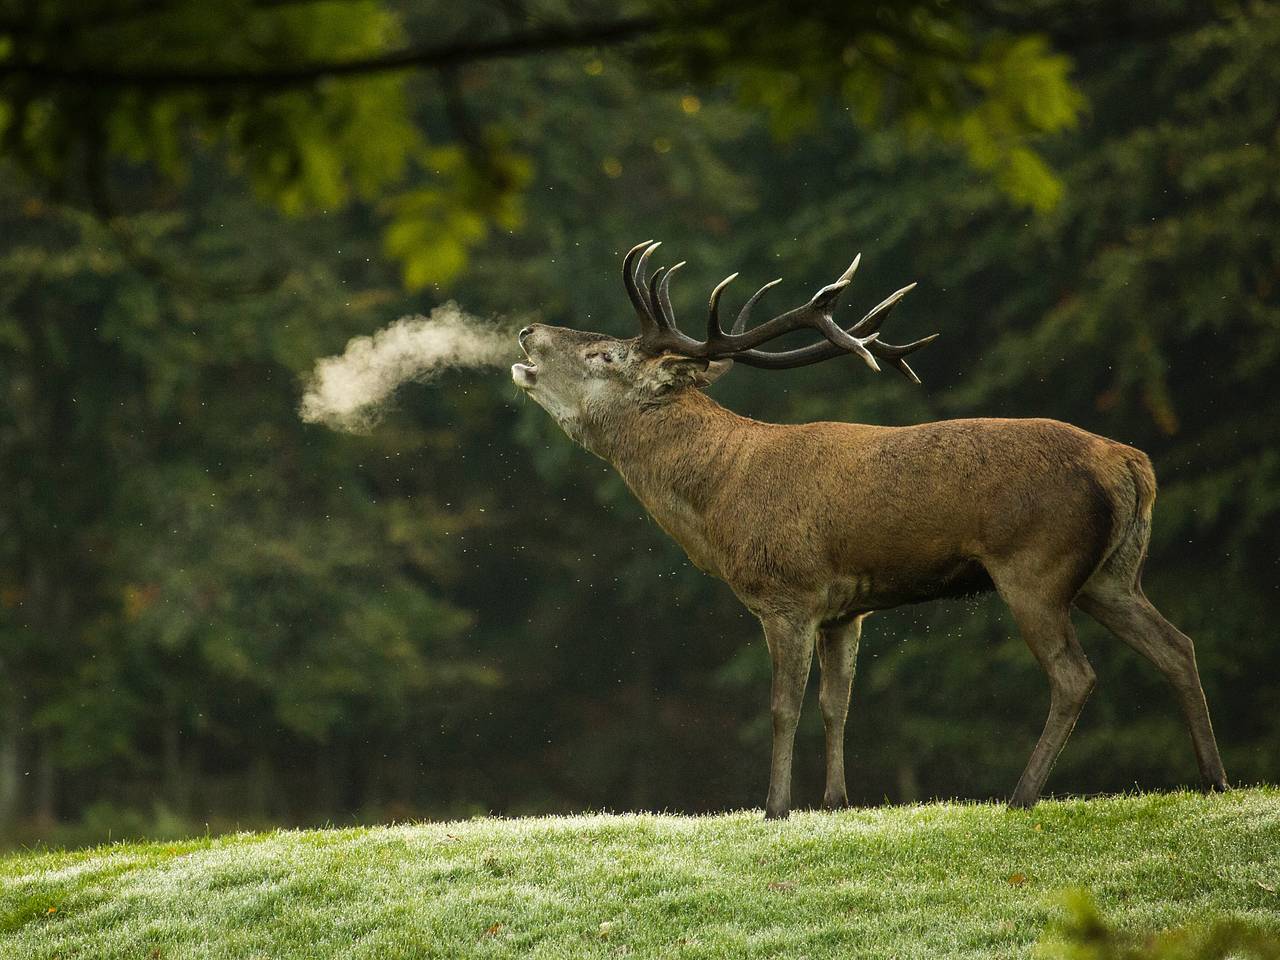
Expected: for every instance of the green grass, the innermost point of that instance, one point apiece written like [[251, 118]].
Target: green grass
[[936, 880]]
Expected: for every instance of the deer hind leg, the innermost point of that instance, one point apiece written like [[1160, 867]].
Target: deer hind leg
[[1043, 615], [1116, 601], [837, 654], [791, 651]]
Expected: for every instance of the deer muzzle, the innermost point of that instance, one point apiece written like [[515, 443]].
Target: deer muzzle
[[524, 373]]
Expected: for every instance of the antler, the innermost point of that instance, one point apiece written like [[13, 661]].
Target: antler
[[659, 331]]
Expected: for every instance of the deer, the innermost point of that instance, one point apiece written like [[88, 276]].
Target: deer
[[815, 526]]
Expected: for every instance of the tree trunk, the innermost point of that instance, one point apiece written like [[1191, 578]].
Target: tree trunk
[[644, 732], [50, 603], [44, 802], [10, 775], [325, 796], [172, 773], [261, 787], [908, 782], [405, 793]]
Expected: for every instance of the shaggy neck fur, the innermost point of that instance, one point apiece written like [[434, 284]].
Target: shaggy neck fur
[[678, 458], [675, 444]]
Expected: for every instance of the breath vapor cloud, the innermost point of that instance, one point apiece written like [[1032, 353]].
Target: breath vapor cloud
[[351, 391]]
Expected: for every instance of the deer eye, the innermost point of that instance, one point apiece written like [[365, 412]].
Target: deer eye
[[603, 357]]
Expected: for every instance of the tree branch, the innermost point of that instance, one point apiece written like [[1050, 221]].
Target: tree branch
[[558, 37]]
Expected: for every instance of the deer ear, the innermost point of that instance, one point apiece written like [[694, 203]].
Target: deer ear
[[678, 371], [715, 370]]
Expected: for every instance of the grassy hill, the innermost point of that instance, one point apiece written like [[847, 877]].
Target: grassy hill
[[937, 880]]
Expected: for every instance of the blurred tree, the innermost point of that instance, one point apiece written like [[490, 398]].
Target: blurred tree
[[185, 570], [205, 602], [308, 99]]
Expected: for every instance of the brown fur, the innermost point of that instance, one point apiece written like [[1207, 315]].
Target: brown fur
[[816, 525]]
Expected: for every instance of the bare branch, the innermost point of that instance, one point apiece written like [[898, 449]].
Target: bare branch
[[558, 37]]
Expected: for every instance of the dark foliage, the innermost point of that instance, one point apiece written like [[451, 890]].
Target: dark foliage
[[211, 613]]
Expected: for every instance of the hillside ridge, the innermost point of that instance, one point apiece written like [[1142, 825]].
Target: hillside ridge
[[937, 879]]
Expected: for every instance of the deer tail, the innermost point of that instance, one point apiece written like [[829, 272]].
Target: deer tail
[[1133, 497], [1144, 485]]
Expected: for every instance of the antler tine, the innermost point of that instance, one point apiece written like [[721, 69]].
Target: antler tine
[[745, 313], [714, 330], [633, 280], [893, 355], [831, 330], [642, 278], [629, 279], [880, 312], [667, 315], [891, 351], [652, 293], [847, 276]]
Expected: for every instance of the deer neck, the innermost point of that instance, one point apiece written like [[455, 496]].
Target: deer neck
[[677, 457]]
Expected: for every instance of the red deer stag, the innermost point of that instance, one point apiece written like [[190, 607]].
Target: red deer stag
[[816, 525]]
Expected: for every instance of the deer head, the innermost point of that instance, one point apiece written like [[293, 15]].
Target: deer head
[[587, 380]]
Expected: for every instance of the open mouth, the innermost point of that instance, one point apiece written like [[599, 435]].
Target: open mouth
[[525, 373]]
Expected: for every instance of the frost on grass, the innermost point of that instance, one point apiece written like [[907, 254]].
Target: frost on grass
[[352, 390], [914, 882]]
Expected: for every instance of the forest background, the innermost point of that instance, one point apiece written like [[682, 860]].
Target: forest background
[[214, 615]]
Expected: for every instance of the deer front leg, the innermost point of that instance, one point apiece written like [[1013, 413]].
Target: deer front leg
[[791, 650], [837, 655]]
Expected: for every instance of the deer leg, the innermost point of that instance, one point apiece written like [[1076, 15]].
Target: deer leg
[[1130, 616], [837, 654], [1046, 627], [791, 650]]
